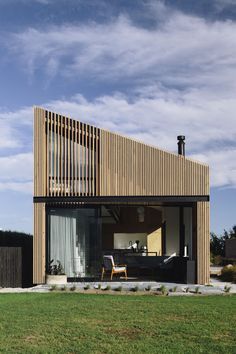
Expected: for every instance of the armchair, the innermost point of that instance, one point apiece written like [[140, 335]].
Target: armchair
[[110, 266]]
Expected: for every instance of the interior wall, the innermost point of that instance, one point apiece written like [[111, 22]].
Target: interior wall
[[188, 230], [122, 240], [129, 223], [171, 216], [154, 242]]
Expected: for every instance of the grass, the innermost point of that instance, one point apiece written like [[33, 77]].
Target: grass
[[84, 323]]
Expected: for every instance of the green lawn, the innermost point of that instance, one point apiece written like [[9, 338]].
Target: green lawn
[[78, 323]]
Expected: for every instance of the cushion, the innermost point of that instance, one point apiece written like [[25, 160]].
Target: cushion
[[167, 260], [119, 269]]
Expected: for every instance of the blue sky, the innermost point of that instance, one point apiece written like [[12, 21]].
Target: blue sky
[[147, 69]]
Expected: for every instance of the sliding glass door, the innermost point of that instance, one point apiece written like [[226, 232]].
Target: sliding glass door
[[74, 239]]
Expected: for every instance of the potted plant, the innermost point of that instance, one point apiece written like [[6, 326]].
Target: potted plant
[[55, 273]]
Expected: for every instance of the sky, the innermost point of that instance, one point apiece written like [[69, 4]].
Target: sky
[[147, 69]]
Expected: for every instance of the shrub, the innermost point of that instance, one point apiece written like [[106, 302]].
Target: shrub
[[227, 289], [55, 268], [73, 288], [97, 286], [148, 288], [53, 288], [228, 273], [134, 289], [87, 287], [197, 290], [217, 260], [174, 289], [63, 288], [163, 290], [119, 288], [106, 288]]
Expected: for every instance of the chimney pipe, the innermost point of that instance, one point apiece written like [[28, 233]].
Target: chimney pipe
[[181, 145]]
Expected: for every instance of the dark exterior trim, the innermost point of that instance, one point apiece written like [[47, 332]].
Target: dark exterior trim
[[181, 231], [123, 199], [163, 238]]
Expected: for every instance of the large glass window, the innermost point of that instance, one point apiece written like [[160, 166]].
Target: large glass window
[[74, 239]]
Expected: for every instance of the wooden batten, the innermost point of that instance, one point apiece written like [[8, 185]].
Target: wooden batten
[[40, 160], [203, 243], [39, 246], [41, 183]]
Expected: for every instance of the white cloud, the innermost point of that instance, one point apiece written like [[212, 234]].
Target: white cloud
[[15, 128], [16, 173], [6, 136], [18, 167], [161, 116], [180, 50], [223, 166], [180, 74], [23, 187]]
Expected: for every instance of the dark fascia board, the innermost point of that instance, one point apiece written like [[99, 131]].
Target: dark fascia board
[[124, 199]]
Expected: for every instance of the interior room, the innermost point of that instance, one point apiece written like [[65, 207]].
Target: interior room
[[152, 241]]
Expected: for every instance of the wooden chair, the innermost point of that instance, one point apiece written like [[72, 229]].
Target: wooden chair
[[111, 267]]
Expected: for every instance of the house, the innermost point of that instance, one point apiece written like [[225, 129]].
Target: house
[[97, 192]]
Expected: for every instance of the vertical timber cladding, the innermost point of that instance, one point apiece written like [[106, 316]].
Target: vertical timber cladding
[[203, 242], [39, 189], [40, 166], [132, 168], [39, 249]]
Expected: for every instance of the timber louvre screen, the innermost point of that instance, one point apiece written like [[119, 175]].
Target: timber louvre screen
[[72, 155]]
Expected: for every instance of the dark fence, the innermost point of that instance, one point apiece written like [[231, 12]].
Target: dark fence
[[10, 267], [13, 240]]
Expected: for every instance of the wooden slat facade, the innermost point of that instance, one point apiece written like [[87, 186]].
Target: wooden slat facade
[[72, 158], [41, 185], [39, 244], [76, 159], [40, 146], [203, 243], [128, 167]]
